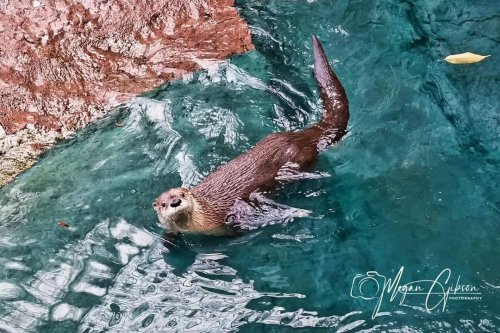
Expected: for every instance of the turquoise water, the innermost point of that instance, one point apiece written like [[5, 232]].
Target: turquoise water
[[414, 184]]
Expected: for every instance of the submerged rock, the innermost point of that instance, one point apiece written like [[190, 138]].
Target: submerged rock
[[64, 64]]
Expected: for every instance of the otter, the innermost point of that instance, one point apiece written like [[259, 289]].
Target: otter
[[205, 208]]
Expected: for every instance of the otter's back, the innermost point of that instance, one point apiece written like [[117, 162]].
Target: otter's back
[[256, 170]]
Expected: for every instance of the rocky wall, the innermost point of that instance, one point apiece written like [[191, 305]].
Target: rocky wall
[[66, 63]]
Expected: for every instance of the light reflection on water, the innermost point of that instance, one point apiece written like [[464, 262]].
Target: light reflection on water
[[145, 292], [414, 185], [207, 296]]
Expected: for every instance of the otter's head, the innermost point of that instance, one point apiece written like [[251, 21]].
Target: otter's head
[[175, 208]]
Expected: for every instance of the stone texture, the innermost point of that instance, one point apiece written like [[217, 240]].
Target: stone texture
[[65, 63]]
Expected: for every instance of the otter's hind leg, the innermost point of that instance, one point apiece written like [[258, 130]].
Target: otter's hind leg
[[260, 211]]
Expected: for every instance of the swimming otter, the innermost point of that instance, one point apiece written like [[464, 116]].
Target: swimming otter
[[204, 208]]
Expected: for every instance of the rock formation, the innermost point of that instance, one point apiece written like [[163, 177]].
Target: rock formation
[[65, 63]]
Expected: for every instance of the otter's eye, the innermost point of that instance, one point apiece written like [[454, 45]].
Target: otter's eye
[[183, 195], [163, 205]]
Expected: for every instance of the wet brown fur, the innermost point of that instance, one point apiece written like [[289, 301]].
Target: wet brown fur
[[256, 170]]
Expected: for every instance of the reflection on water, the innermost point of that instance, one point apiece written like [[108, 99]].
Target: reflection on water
[[413, 185], [207, 296], [145, 292]]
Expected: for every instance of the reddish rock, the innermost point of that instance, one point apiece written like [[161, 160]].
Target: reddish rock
[[65, 63]]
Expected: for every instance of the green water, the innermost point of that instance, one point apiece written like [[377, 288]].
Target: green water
[[414, 184]]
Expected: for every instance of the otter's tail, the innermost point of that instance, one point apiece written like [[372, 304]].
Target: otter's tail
[[336, 108]]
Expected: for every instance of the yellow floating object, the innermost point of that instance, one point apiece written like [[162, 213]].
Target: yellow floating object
[[465, 58]]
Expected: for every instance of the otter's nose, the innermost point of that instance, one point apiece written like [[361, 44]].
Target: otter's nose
[[175, 202]]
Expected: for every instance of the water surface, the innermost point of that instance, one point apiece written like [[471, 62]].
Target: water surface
[[414, 184]]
